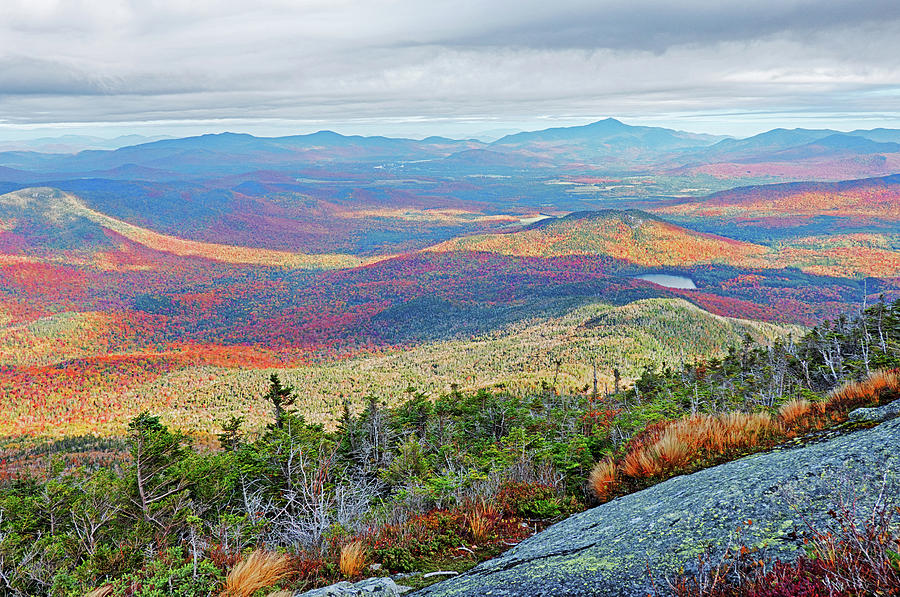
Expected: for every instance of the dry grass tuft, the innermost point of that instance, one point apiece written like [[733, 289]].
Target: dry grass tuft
[[482, 520], [794, 413], [602, 478], [281, 594], [643, 462], [685, 440], [353, 559], [104, 591], [257, 571], [883, 384], [672, 448], [743, 430]]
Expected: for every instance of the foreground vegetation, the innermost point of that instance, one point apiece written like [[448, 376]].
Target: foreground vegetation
[[428, 484]]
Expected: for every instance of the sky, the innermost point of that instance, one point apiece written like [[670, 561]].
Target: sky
[[457, 68]]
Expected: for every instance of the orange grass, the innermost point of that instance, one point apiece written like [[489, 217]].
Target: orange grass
[[692, 438], [879, 385], [796, 412], [353, 559], [104, 591], [481, 522], [257, 571], [672, 449], [666, 447], [642, 463], [602, 478]]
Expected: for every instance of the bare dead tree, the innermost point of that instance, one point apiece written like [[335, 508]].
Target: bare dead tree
[[96, 509]]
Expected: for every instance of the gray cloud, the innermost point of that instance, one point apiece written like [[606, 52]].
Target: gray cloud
[[656, 26], [25, 75], [377, 61]]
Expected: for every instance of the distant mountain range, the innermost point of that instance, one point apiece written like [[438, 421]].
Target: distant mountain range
[[76, 143], [604, 145]]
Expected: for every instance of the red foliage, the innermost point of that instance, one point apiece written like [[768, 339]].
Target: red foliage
[[850, 558]]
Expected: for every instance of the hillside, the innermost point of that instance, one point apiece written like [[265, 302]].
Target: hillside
[[857, 201], [637, 238], [42, 219], [519, 356], [411, 478], [632, 236]]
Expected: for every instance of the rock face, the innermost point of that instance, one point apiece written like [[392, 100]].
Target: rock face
[[631, 545], [372, 587]]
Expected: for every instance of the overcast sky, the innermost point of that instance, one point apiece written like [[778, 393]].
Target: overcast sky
[[460, 67]]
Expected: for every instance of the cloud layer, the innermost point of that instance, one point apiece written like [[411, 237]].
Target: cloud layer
[[70, 61]]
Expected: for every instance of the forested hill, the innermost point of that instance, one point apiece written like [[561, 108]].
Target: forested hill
[[435, 483]]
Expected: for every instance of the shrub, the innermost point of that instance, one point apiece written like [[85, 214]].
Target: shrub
[[529, 500], [850, 558], [259, 570], [396, 558], [353, 559], [170, 574]]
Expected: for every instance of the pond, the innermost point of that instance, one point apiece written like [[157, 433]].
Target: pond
[[669, 281]]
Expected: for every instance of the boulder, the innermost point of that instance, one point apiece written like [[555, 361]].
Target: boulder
[[877, 414], [633, 544]]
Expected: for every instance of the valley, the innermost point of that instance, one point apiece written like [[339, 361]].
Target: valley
[[432, 326], [186, 282]]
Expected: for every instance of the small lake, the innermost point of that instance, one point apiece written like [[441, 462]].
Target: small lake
[[669, 281]]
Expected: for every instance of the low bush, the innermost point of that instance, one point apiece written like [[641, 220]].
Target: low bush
[[530, 500]]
